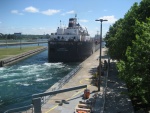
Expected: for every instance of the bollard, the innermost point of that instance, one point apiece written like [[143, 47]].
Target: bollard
[[105, 64], [86, 93], [37, 105], [1, 63]]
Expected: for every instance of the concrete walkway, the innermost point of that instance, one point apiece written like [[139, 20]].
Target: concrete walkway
[[84, 77], [116, 99]]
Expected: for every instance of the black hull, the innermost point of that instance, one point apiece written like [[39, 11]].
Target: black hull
[[63, 51]]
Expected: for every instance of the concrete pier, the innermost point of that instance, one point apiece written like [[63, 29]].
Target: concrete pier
[[67, 102], [16, 58], [82, 77]]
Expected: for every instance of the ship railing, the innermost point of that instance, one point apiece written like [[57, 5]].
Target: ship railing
[[25, 109]]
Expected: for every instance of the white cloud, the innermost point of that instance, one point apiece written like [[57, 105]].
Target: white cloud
[[50, 12], [84, 20], [111, 19], [31, 9], [16, 12], [69, 12]]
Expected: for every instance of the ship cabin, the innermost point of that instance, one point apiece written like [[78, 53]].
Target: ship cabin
[[74, 32]]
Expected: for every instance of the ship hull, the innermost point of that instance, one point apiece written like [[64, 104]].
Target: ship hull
[[71, 51]]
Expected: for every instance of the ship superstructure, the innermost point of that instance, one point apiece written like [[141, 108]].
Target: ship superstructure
[[74, 32]]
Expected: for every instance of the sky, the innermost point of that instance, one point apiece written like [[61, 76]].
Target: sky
[[43, 16]]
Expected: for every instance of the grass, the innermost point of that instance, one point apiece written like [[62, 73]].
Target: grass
[[8, 52]]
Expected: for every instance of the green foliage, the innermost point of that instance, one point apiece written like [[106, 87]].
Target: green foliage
[[128, 41], [112, 40], [143, 11], [122, 33], [135, 71]]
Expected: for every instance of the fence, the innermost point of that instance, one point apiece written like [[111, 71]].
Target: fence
[[60, 83]]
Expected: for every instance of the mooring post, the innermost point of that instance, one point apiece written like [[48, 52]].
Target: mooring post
[[1, 63], [37, 105]]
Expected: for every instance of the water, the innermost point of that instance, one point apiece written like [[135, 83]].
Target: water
[[33, 75]]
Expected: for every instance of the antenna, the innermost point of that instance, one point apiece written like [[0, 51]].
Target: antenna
[[75, 15], [60, 23]]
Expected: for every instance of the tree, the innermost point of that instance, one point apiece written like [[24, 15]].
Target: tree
[[135, 71], [111, 39], [128, 41], [121, 34], [143, 11]]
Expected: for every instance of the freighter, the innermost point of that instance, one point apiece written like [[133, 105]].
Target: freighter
[[71, 44]]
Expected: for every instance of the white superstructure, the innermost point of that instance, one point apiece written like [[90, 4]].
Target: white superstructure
[[74, 32]]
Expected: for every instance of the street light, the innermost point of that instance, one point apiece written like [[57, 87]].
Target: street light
[[101, 20]]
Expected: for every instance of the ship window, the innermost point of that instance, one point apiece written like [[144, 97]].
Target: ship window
[[58, 37]]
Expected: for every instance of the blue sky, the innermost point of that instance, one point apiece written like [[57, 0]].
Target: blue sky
[[43, 16]]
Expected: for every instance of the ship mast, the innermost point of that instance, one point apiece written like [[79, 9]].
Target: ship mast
[[75, 15], [75, 18], [60, 23]]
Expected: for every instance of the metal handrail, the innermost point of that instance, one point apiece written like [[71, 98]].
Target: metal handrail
[[59, 84], [58, 91]]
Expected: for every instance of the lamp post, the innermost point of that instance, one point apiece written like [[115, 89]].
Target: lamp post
[[101, 20]]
